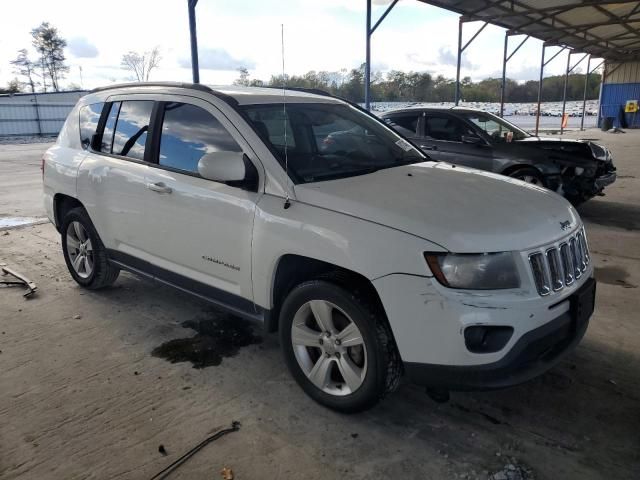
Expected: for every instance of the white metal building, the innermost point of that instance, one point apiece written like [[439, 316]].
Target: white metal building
[[36, 114]]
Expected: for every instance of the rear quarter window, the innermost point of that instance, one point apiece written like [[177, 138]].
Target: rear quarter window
[[109, 127], [89, 118]]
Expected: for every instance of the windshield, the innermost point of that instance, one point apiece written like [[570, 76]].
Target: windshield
[[325, 141], [497, 128]]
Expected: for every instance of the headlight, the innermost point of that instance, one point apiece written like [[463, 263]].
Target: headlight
[[485, 271]]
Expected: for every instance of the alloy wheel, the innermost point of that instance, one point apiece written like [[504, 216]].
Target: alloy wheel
[[530, 179], [80, 249], [329, 347]]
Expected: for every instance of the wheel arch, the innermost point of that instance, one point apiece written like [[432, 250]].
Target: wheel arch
[[292, 270], [546, 169], [61, 205], [514, 167]]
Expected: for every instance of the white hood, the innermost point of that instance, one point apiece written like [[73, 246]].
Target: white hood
[[463, 210]]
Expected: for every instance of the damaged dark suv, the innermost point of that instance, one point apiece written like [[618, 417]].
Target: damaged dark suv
[[577, 169]]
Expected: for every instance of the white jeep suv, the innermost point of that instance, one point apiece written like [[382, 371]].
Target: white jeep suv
[[305, 212]]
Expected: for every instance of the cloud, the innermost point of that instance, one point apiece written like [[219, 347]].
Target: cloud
[[520, 75], [217, 59], [81, 48], [447, 57]]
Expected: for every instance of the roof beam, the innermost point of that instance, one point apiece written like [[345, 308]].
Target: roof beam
[[564, 23], [526, 9], [577, 28], [613, 17]]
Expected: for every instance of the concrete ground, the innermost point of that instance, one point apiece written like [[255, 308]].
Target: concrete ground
[[82, 396]]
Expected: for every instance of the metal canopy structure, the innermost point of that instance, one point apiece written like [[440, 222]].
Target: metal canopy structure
[[606, 30]]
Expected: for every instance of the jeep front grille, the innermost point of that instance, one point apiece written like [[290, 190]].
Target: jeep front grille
[[557, 266]]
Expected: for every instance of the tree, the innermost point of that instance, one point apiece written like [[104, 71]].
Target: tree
[[25, 67], [50, 45], [243, 79], [401, 86], [14, 86], [141, 64]]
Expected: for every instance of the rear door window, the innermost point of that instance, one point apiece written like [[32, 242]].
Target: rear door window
[[131, 128], [446, 128], [405, 124], [188, 133], [89, 118]]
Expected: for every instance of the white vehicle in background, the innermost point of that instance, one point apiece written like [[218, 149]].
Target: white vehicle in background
[[369, 259]]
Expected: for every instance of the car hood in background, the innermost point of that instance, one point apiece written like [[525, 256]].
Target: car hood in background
[[568, 146], [463, 210]]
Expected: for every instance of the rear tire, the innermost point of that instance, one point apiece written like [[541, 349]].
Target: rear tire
[[84, 253], [529, 175], [338, 347]]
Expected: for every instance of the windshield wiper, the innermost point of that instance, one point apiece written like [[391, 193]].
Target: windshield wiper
[[350, 173]]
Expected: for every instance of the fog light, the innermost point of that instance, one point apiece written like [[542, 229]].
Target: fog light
[[486, 339]]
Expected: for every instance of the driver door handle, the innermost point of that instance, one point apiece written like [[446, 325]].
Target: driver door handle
[[159, 187]]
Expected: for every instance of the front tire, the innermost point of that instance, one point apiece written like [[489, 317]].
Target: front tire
[[529, 175], [337, 347], [84, 253]]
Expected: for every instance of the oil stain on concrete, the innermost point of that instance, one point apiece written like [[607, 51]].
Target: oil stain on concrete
[[217, 336], [613, 276]]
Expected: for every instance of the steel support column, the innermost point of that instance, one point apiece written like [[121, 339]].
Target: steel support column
[[544, 48], [457, 94], [367, 60], [584, 93], [461, 50], [505, 59], [367, 63], [566, 82], [544, 63], [195, 69], [564, 93], [504, 73]]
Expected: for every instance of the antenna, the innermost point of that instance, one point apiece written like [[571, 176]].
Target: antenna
[[287, 203]]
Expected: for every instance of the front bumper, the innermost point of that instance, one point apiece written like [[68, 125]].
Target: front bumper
[[533, 354], [605, 180], [429, 323]]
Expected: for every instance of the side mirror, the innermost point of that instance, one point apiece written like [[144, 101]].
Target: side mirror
[[223, 166], [471, 140]]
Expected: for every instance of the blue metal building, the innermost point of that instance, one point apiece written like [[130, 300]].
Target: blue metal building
[[621, 83]]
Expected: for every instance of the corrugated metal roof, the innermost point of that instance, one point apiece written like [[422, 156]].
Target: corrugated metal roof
[[605, 29], [622, 73]]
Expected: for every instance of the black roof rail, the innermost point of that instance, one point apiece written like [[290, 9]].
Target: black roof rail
[[315, 91], [193, 86]]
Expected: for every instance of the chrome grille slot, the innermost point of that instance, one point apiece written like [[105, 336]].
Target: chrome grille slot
[[555, 269], [576, 259], [585, 246], [583, 249], [567, 264], [540, 273], [560, 265]]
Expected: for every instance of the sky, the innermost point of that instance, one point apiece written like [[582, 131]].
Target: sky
[[319, 35]]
